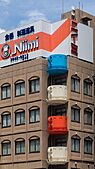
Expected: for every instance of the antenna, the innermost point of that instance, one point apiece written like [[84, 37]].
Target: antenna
[[82, 8], [62, 7], [79, 5], [79, 9]]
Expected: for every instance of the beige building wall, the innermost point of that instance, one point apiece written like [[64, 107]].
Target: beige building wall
[[38, 67]]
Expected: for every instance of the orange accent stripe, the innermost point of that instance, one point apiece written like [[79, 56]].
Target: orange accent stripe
[[46, 41], [60, 34]]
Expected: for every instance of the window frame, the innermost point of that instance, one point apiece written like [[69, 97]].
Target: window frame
[[87, 86], [88, 141], [2, 116], [34, 80], [20, 141], [19, 111], [6, 86], [88, 111], [74, 108], [19, 82], [76, 139], [34, 139], [6, 142], [35, 108], [75, 79]]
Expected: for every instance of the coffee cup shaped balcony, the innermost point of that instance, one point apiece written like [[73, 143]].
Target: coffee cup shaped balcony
[[57, 155], [57, 64], [57, 125], [57, 94]]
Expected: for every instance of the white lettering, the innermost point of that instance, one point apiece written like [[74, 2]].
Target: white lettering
[[25, 45]]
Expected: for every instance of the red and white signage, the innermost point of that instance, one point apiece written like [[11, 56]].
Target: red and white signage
[[42, 39]]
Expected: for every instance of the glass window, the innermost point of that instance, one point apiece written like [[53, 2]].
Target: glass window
[[34, 85], [20, 146], [59, 110], [20, 117], [34, 145], [88, 145], [60, 141], [34, 115], [88, 87], [5, 91], [6, 120], [75, 84], [58, 80], [75, 114], [6, 148], [75, 144], [88, 116], [20, 88]]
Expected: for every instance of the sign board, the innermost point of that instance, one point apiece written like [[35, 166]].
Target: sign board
[[43, 39]]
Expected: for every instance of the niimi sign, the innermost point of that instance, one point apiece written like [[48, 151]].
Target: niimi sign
[[17, 49], [22, 47], [43, 39]]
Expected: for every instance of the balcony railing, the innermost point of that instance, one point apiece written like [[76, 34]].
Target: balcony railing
[[57, 155], [57, 125], [57, 94]]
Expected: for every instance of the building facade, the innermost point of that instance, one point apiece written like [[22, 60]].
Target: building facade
[[47, 96]]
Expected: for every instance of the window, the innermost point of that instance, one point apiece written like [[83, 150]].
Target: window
[[34, 85], [75, 83], [6, 119], [19, 117], [75, 143], [88, 87], [60, 141], [19, 88], [5, 91], [59, 110], [34, 115], [88, 145], [57, 80], [20, 146], [88, 116], [6, 148], [34, 144], [75, 114]]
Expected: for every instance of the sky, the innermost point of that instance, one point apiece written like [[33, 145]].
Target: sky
[[15, 13]]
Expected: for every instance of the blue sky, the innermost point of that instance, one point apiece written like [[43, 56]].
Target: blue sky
[[14, 13]]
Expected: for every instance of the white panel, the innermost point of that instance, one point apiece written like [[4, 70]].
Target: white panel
[[31, 55], [64, 47], [85, 42], [39, 26], [56, 25]]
